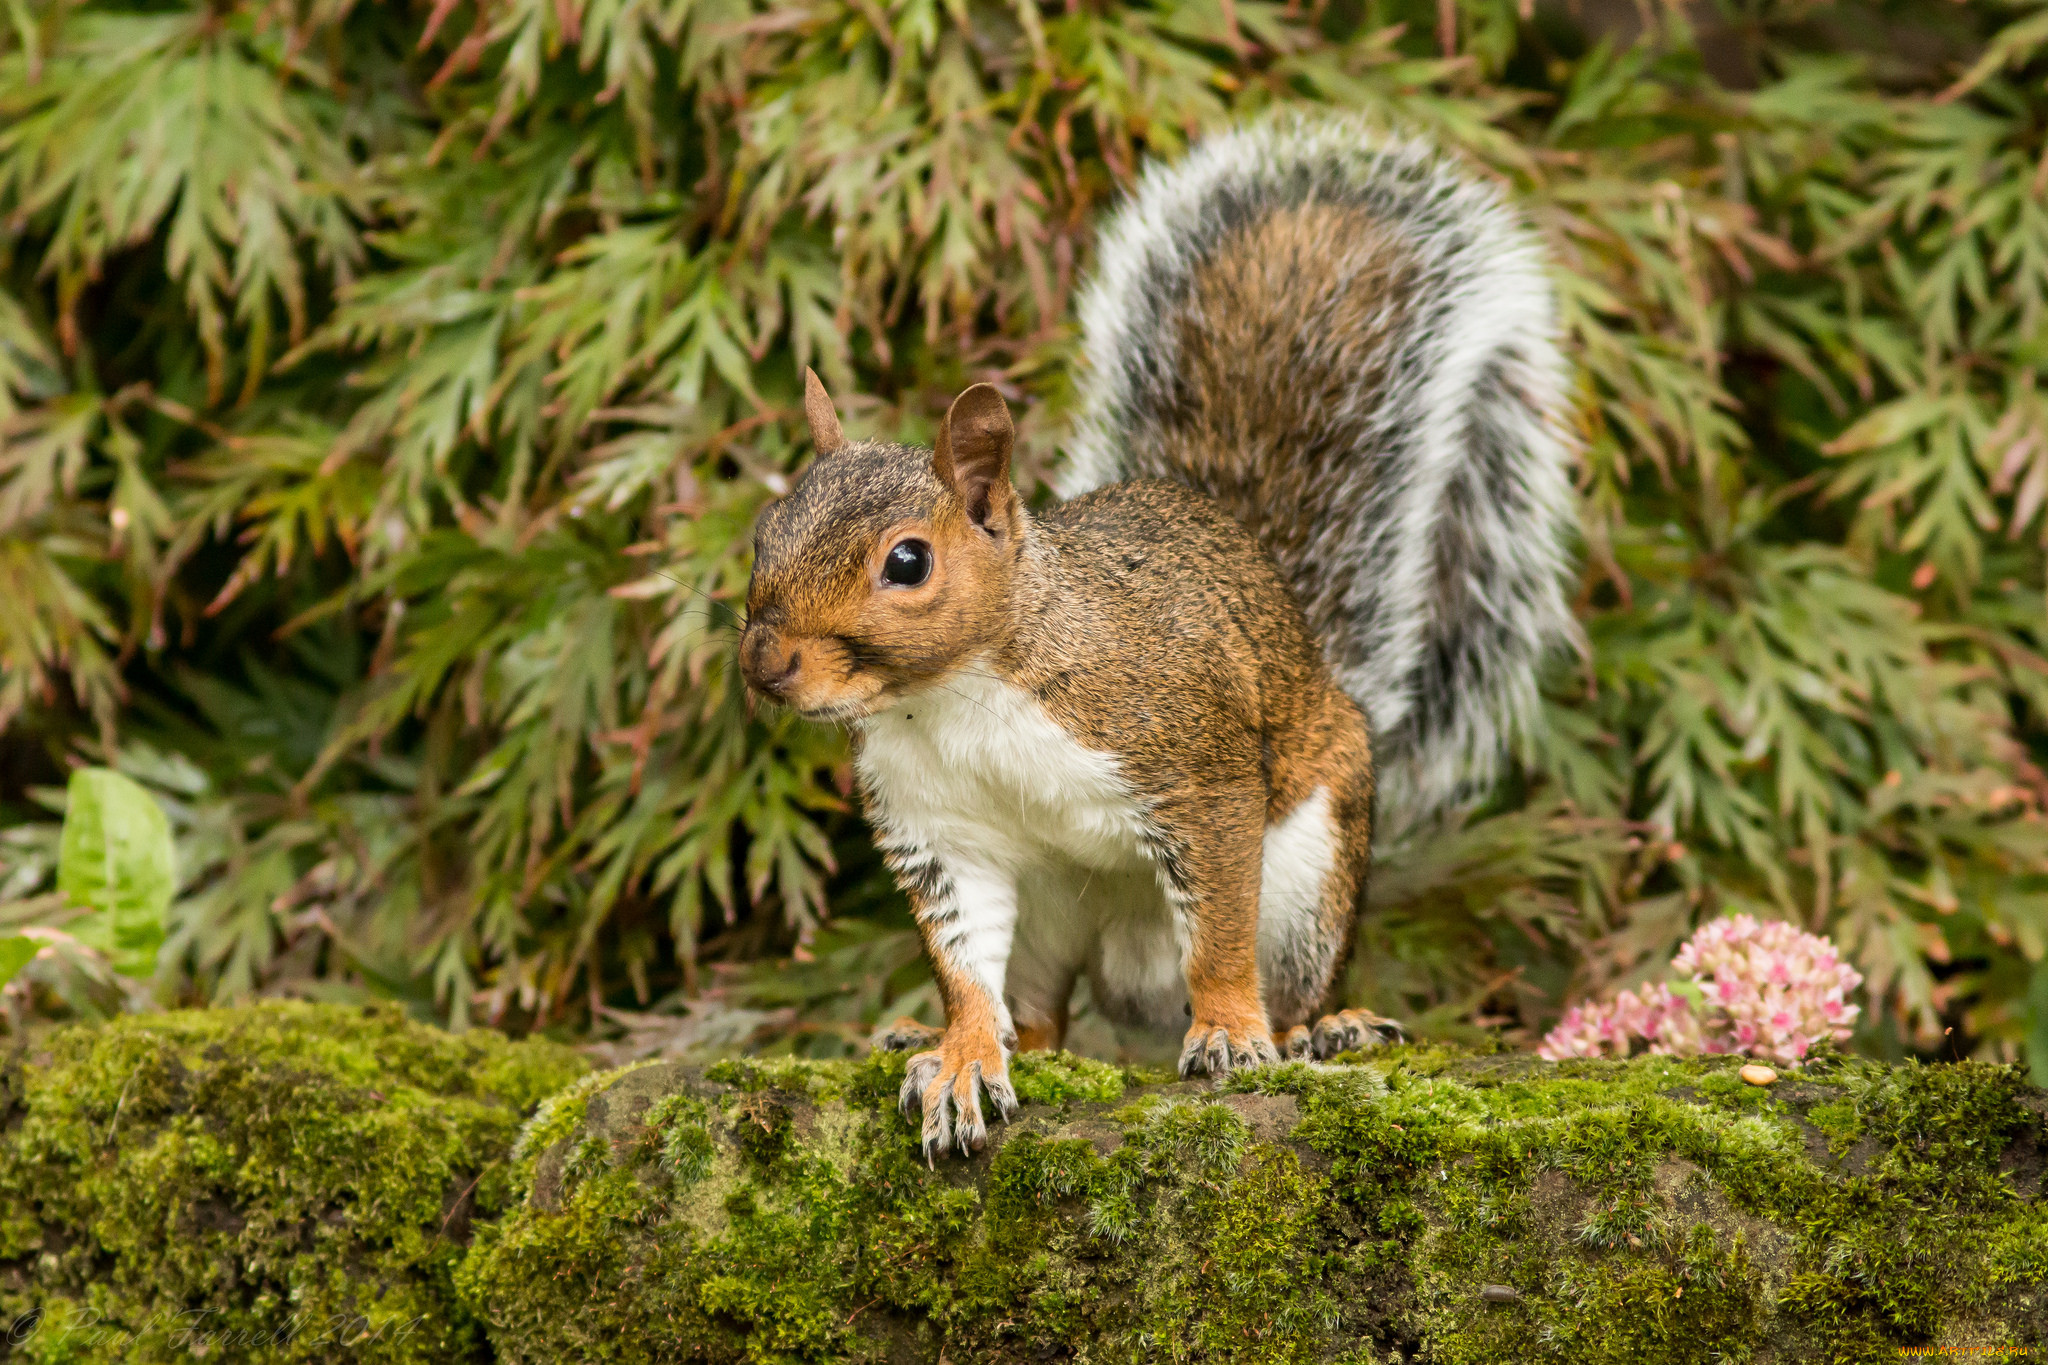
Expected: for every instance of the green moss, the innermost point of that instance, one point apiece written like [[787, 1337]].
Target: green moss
[[1423, 1205], [284, 1182], [2016, 1256], [555, 1119], [761, 1123], [1062, 1078], [1263, 1279], [679, 1127], [813, 1080], [1840, 1123], [1656, 1211], [1033, 1181]]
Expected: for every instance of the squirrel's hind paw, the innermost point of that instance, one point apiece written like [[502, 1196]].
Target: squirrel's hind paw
[[1352, 1031], [905, 1035], [1213, 1050], [949, 1097]]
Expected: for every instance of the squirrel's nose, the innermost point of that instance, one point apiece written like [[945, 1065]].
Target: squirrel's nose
[[768, 668]]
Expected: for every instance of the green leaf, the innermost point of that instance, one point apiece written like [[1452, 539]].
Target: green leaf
[[16, 952], [1693, 993], [116, 859]]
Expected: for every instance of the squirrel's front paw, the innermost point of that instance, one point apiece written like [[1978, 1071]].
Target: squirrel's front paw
[[1218, 1049], [946, 1084]]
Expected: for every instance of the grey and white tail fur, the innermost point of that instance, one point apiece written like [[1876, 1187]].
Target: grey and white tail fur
[[1389, 383]]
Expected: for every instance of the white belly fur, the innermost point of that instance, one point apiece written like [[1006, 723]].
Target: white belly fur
[[1043, 838]]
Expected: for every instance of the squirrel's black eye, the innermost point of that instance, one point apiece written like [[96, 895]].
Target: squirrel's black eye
[[908, 564]]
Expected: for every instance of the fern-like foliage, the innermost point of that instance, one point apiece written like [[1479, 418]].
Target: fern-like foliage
[[387, 392]]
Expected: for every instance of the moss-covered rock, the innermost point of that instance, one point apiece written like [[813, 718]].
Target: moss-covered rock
[[279, 1183], [298, 1183], [1417, 1205]]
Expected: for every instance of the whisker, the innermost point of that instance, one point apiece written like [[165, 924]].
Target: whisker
[[738, 619], [964, 697]]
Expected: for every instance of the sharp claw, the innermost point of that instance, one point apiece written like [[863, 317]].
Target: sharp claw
[[1215, 1052], [938, 1131], [950, 1102], [917, 1080], [969, 1134]]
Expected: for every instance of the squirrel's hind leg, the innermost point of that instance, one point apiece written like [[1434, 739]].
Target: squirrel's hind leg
[[1315, 861], [1050, 1036]]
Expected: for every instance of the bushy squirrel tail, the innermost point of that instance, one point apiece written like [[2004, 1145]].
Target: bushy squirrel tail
[[1353, 347]]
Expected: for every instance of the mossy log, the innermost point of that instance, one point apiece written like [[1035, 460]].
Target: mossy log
[[240, 1168], [1413, 1205], [281, 1183]]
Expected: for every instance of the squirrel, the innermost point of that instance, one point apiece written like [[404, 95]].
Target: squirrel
[[1310, 550]]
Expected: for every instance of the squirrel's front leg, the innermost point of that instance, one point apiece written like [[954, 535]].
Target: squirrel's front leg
[[968, 917], [1209, 868]]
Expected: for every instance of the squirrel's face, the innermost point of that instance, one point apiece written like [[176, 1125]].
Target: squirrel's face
[[886, 567]]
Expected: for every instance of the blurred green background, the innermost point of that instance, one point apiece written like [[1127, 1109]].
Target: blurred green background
[[387, 390]]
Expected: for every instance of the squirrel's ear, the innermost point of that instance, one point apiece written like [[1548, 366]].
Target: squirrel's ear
[[972, 454], [825, 432]]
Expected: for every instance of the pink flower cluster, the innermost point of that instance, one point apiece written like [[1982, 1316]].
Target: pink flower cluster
[[1766, 989], [1592, 1029]]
